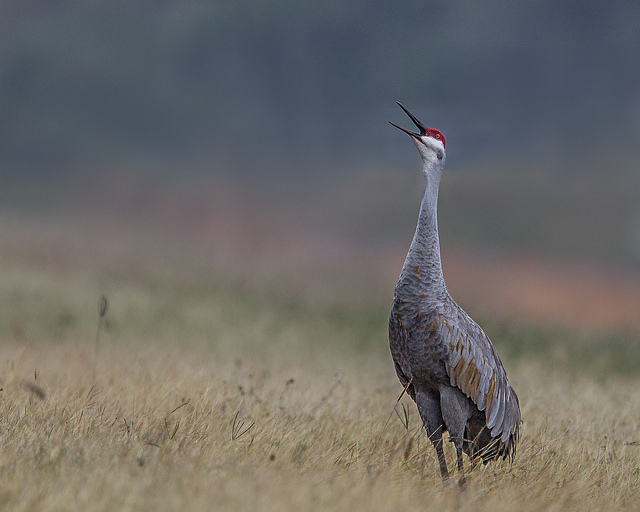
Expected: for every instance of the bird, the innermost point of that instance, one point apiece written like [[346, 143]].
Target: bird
[[443, 359]]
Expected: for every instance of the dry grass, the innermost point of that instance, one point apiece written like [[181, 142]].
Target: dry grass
[[166, 429], [204, 396]]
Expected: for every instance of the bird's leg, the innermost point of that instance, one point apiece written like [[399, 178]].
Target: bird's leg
[[429, 409], [437, 443], [455, 411], [458, 444]]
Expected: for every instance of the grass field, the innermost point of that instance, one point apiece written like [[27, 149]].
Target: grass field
[[198, 390]]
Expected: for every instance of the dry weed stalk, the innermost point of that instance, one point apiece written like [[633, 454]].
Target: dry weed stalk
[[237, 427], [103, 306], [386, 423]]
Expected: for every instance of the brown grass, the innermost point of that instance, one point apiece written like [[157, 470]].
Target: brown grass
[[165, 428], [210, 393]]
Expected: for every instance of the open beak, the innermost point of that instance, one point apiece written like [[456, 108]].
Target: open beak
[[421, 127]]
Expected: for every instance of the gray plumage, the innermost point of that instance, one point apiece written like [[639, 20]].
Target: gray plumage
[[442, 357]]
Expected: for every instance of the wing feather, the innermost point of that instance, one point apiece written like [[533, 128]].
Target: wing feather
[[497, 429], [493, 413], [475, 367], [454, 359]]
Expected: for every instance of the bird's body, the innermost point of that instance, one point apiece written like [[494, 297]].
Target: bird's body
[[442, 357]]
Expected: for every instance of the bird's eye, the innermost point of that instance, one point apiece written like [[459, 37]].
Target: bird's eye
[[438, 136]]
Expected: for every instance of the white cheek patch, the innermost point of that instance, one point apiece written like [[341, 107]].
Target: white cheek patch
[[430, 148]]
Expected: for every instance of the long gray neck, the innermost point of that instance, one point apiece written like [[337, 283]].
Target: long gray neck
[[422, 270]]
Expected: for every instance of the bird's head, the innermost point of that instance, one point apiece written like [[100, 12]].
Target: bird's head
[[430, 142]]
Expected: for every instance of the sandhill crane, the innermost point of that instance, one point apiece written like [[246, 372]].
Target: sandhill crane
[[445, 361]]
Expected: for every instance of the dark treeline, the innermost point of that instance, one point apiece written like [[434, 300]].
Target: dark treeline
[[268, 81]]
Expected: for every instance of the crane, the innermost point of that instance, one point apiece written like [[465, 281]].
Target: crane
[[444, 360]]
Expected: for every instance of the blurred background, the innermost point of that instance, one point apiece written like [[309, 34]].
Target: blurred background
[[253, 137]]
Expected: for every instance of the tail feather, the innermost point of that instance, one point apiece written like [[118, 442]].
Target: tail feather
[[480, 444]]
